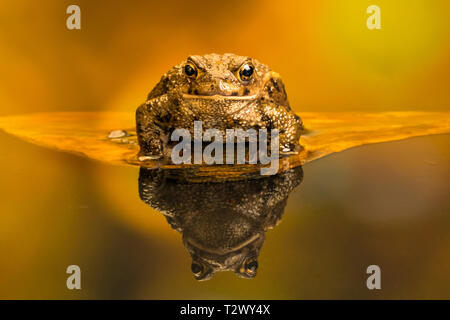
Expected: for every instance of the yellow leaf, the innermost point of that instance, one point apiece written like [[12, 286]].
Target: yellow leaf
[[86, 133]]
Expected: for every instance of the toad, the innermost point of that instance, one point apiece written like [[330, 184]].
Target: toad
[[224, 92]]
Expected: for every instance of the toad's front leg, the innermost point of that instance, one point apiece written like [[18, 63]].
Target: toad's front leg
[[151, 121], [289, 127]]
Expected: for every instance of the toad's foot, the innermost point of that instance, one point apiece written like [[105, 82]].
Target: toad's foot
[[289, 149], [288, 152]]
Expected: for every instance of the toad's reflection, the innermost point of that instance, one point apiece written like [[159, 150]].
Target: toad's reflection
[[223, 223]]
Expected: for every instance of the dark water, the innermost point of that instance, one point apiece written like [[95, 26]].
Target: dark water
[[223, 223], [309, 233]]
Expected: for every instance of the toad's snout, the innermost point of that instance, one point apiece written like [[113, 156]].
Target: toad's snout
[[226, 89], [219, 87]]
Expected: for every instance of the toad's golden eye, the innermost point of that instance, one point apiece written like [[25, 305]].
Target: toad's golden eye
[[197, 269], [190, 70], [246, 71], [251, 267]]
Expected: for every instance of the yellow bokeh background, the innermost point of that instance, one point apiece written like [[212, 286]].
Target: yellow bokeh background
[[329, 59]]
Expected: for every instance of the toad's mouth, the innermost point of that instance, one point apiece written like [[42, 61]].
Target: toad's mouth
[[252, 240], [219, 97]]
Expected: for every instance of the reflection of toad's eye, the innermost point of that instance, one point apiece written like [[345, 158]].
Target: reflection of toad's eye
[[246, 71], [251, 267], [196, 269], [190, 70]]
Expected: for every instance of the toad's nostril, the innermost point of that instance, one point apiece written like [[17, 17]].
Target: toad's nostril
[[224, 87], [211, 87]]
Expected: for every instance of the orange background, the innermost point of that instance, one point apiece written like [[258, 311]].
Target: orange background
[[375, 203], [329, 59]]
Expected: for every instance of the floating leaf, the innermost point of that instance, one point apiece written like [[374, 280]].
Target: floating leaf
[[86, 133]]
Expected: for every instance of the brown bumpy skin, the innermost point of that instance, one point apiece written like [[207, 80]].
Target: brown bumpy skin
[[223, 224], [216, 90]]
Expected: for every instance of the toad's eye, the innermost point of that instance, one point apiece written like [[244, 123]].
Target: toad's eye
[[246, 71], [251, 267], [197, 269], [190, 70]]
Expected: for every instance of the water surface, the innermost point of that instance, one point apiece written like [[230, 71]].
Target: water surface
[[384, 204]]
